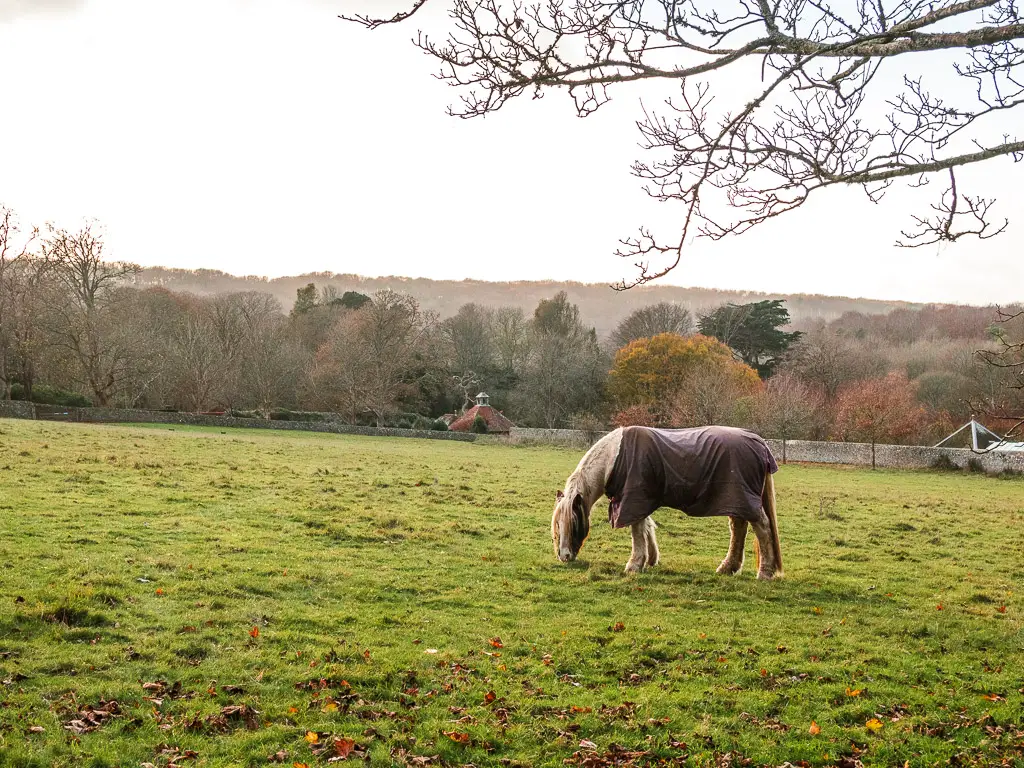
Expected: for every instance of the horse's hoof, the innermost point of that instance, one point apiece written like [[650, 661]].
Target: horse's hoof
[[728, 569], [633, 568], [765, 576]]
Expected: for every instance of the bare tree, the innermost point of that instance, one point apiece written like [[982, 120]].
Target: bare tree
[[14, 249], [711, 394], [197, 368], [374, 357], [663, 317], [564, 370], [509, 330], [87, 321], [785, 409], [1007, 361], [829, 359], [28, 296], [267, 357], [468, 336], [467, 384], [776, 100]]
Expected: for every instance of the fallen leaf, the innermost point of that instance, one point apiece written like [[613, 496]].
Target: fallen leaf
[[293, 710], [36, 729], [938, 607], [853, 692], [366, 654], [278, 757], [489, 697], [588, 744], [618, 626], [1001, 609], [254, 632], [815, 729], [874, 725], [703, 635], [496, 642], [159, 591], [431, 650], [457, 736], [343, 747], [817, 610], [312, 737], [993, 697]]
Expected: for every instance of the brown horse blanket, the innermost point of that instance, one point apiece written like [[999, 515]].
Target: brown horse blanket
[[703, 471]]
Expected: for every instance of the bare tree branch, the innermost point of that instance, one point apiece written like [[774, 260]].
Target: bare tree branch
[[802, 110]]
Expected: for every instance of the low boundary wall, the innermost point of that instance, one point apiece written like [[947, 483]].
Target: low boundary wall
[[816, 452], [125, 415], [856, 454], [895, 456]]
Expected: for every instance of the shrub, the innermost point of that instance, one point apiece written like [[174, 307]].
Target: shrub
[[479, 425], [423, 423], [943, 463], [636, 416], [244, 414], [438, 425], [48, 395]]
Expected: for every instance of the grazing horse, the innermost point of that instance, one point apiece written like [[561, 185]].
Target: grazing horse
[[703, 472]]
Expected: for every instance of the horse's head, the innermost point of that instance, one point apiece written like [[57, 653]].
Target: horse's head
[[570, 525]]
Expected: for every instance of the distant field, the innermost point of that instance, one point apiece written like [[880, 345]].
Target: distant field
[[248, 597]]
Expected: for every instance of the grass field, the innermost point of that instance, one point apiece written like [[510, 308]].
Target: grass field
[[195, 597]]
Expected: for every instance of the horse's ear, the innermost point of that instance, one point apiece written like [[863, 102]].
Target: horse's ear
[[559, 495]]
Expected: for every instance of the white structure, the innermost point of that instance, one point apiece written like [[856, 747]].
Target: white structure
[[984, 439]]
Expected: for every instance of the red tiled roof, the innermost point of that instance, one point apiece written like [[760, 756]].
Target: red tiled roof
[[495, 420]]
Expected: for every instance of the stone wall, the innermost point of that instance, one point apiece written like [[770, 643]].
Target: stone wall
[[15, 409], [895, 456], [124, 415], [855, 454]]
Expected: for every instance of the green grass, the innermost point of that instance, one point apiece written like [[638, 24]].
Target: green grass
[[131, 555]]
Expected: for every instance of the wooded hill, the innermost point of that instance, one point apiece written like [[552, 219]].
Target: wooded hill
[[600, 306]]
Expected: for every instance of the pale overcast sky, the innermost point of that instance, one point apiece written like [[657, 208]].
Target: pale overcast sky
[[268, 137]]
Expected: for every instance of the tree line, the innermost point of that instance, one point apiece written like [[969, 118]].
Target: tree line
[[74, 328]]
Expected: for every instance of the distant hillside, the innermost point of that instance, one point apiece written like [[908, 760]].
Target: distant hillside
[[600, 306]]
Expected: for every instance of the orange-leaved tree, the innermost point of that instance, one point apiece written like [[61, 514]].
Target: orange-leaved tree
[[879, 410], [658, 372]]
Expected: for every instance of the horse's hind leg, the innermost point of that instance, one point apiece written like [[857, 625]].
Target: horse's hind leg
[[737, 536], [638, 559], [763, 531], [653, 554]]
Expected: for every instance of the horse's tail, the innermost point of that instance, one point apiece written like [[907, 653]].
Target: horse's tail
[[768, 502]]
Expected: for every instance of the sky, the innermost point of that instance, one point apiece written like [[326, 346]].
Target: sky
[[268, 137]]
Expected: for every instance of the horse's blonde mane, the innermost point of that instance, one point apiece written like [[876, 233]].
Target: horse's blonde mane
[[591, 475]]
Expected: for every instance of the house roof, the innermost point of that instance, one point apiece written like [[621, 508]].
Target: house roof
[[495, 420]]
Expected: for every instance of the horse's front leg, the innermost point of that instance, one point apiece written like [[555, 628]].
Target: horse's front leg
[[638, 558], [737, 536]]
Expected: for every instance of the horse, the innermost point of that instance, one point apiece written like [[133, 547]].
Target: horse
[[702, 472]]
